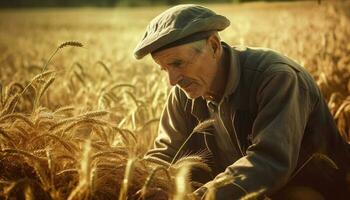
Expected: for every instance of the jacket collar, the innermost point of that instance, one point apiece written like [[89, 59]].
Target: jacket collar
[[199, 105], [234, 71]]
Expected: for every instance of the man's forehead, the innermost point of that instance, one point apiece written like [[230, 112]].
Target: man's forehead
[[178, 52]]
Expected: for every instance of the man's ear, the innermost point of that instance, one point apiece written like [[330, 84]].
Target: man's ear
[[214, 44]]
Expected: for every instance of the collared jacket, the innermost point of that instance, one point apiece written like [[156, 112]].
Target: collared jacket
[[274, 114]]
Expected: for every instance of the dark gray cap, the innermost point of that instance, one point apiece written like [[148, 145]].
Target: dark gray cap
[[177, 23]]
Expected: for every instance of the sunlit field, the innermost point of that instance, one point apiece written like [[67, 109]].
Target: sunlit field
[[75, 121]]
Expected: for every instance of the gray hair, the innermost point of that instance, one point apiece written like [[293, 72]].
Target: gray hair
[[198, 46]]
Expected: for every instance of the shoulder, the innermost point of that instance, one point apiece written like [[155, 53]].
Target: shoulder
[[262, 59]]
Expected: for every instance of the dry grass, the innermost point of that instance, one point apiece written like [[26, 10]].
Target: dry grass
[[75, 124]]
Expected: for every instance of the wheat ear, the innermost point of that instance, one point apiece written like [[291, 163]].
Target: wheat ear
[[200, 128], [65, 44], [23, 153], [64, 109], [66, 145], [193, 161]]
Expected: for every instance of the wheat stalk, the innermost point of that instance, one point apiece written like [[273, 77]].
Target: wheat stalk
[[7, 137], [104, 66], [61, 46], [64, 109], [62, 123], [11, 105], [65, 144], [255, 195], [143, 191], [120, 152], [149, 122], [25, 183], [85, 121], [127, 177], [100, 132], [24, 133], [42, 91], [312, 157], [181, 180], [133, 98], [22, 153], [1, 96], [67, 171], [125, 138], [18, 116], [84, 173], [36, 78], [117, 85], [67, 157], [51, 168], [80, 78], [28, 193]]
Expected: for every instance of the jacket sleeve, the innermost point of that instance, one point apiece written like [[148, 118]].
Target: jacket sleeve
[[173, 129], [283, 110]]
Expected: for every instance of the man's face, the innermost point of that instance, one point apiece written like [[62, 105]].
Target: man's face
[[192, 70]]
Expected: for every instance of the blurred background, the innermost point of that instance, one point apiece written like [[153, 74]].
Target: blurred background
[[111, 3]]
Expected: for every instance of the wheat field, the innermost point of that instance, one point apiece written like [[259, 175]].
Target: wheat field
[[78, 112]]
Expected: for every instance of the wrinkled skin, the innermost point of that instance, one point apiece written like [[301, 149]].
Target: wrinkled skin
[[196, 73]]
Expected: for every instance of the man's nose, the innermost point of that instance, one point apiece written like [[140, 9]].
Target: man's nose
[[173, 77]]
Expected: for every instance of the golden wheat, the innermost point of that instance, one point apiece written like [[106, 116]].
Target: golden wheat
[[80, 129]]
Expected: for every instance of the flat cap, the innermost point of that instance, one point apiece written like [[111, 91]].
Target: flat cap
[[177, 23]]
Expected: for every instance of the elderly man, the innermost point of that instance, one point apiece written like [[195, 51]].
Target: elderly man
[[272, 133]]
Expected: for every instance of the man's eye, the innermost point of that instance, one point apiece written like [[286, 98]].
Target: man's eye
[[176, 64]]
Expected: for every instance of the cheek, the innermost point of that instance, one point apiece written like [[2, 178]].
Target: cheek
[[196, 76], [203, 76]]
